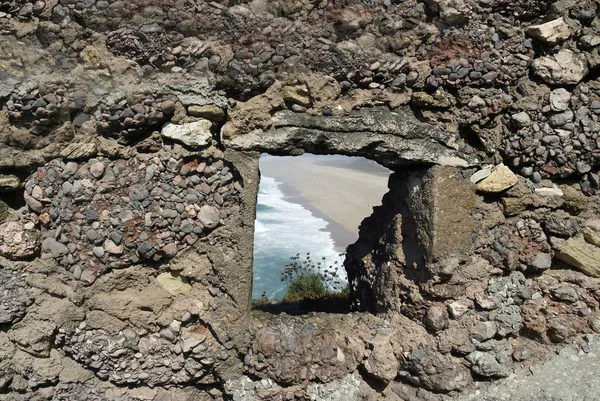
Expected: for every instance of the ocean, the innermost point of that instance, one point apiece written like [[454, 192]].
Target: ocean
[[283, 229]]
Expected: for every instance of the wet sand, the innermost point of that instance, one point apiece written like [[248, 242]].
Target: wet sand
[[340, 190]]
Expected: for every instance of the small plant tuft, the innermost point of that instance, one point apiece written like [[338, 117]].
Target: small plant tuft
[[327, 273], [311, 285], [305, 286]]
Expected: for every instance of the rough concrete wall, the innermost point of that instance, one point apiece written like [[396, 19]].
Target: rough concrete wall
[[129, 140]]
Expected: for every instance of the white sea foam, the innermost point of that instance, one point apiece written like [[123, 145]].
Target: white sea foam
[[282, 229]]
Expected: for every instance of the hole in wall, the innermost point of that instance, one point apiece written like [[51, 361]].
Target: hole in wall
[[308, 211]]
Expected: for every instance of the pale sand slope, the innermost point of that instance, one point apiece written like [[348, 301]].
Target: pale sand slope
[[339, 189]]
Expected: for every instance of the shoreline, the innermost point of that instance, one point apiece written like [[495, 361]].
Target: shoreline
[[338, 233], [342, 191]]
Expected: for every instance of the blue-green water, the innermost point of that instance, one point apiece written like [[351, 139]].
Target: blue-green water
[[282, 229]]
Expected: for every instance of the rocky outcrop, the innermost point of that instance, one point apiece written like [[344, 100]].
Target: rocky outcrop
[[392, 138], [129, 142]]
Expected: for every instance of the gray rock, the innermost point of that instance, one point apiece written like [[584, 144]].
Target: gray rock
[[481, 174], [394, 138], [522, 119], [583, 167], [542, 261], [145, 250], [486, 365], [97, 169], [92, 235], [33, 203], [508, 319], [560, 119], [564, 292], [436, 318], [169, 213], [26, 10], [98, 251], [170, 250], [483, 331], [115, 237], [53, 248], [91, 215], [138, 192], [209, 216]]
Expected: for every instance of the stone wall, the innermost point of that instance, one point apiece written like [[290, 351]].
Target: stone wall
[[130, 134]]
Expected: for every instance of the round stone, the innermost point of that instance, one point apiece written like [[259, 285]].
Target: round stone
[[559, 99], [97, 170]]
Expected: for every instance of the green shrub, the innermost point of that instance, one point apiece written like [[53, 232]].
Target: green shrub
[[305, 286]]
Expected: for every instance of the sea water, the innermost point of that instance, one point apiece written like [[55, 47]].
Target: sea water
[[283, 229]]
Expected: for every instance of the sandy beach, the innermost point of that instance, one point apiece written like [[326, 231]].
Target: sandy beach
[[340, 190]]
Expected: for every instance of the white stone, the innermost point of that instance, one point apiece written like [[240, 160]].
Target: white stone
[[195, 134], [551, 32], [564, 68], [560, 99], [481, 174], [549, 192], [457, 309], [522, 119]]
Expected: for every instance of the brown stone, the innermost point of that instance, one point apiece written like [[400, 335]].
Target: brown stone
[[210, 112], [436, 318], [579, 254], [174, 285], [500, 179], [297, 94], [75, 151], [591, 236]]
